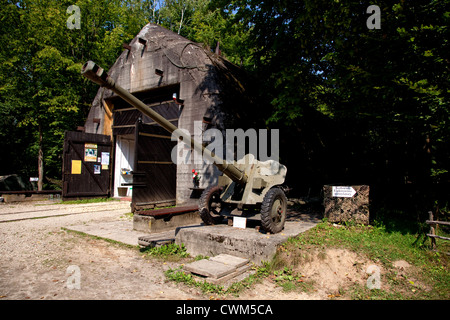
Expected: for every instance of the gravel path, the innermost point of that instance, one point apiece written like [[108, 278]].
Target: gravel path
[[40, 260]]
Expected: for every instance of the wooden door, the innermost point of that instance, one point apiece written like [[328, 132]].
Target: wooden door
[[86, 165], [155, 175]]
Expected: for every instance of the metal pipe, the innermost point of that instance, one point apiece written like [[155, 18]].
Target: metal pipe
[[96, 74]]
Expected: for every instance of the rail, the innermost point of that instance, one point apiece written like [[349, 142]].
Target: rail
[[433, 226]]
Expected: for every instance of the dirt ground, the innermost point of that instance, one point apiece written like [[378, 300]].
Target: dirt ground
[[41, 260], [35, 256]]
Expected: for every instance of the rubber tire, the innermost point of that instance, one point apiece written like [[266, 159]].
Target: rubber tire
[[207, 216], [269, 223]]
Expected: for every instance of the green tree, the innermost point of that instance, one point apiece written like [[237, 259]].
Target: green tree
[[176, 14], [203, 21], [219, 30], [42, 91], [384, 91]]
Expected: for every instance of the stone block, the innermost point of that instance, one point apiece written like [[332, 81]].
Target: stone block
[[244, 243], [209, 268], [151, 224], [221, 269], [230, 260]]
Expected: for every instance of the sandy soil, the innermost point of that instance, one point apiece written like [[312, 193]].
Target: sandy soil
[[328, 272]]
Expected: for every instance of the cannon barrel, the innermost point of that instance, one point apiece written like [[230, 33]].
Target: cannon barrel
[[96, 74]]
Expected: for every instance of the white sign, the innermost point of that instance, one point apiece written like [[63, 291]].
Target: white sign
[[343, 192], [239, 222], [32, 179], [105, 158]]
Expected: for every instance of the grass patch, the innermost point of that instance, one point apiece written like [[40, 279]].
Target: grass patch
[[81, 201], [127, 216], [171, 252], [291, 281], [180, 276]]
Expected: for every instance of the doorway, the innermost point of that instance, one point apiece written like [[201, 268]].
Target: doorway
[[124, 165]]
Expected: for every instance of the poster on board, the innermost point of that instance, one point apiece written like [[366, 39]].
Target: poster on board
[[76, 167], [90, 152]]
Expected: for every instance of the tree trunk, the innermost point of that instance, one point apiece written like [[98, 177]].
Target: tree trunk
[[181, 20], [154, 11], [40, 161]]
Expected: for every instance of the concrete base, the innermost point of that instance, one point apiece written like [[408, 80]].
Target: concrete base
[[149, 224], [245, 243]]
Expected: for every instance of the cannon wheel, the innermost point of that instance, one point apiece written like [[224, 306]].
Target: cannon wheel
[[210, 205], [273, 210]]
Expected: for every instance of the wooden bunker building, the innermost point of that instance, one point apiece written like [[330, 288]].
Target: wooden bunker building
[[187, 84]]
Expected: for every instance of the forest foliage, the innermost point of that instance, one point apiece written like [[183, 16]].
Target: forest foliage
[[365, 105]]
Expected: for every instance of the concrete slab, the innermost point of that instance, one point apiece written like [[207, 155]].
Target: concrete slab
[[157, 239], [230, 260], [240, 274], [120, 230], [209, 268], [244, 243], [223, 269]]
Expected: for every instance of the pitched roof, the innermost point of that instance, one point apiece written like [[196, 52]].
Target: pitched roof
[[212, 73]]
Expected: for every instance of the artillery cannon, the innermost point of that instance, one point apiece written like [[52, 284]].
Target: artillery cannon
[[248, 188]]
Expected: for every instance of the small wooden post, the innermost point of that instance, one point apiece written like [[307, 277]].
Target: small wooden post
[[432, 231]]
